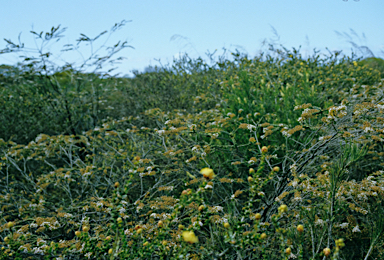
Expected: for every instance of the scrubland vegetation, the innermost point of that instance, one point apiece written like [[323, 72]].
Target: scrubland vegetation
[[270, 157]]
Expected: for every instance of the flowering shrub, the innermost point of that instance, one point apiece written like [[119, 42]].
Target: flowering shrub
[[262, 166]]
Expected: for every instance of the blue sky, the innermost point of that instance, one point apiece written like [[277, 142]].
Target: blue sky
[[160, 30]]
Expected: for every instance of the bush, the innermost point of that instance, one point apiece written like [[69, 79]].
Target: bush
[[274, 157]]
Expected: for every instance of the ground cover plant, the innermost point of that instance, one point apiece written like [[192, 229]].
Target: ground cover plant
[[271, 157]]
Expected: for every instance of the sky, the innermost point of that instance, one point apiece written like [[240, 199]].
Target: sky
[[159, 31]]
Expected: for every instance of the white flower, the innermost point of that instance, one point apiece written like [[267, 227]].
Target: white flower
[[356, 229], [344, 225], [319, 222], [216, 209], [208, 186]]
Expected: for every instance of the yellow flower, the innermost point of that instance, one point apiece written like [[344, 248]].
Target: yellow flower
[[300, 228], [250, 179], [283, 208], [263, 236], [190, 237], [340, 243], [288, 251], [327, 251], [110, 251], [276, 169], [10, 224], [257, 216], [226, 225], [77, 233], [207, 173], [264, 149]]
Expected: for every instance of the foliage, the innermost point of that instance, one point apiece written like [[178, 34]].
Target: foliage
[[275, 157]]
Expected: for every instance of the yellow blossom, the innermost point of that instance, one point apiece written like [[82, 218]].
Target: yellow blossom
[[226, 225], [264, 149], [327, 251], [288, 251], [300, 228], [283, 208], [190, 237], [207, 173], [257, 216], [10, 224], [276, 169], [263, 236]]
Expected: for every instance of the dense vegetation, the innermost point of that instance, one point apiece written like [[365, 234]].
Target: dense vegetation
[[272, 157]]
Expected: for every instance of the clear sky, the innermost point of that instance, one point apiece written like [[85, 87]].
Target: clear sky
[[163, 29]]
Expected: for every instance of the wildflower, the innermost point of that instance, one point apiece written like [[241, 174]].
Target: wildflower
[[356, 229], [343, 225], [190, 237], [77, 233], [264, 149], [263, 236], [250, 179], [283, 208], [226, 225], [257, 216], [300, 228], [139, 230], [208, 186], [327, 251], [117, 184], [288, 250], [85, 228], [319, 222], [160, 223], [110, 251], [276, 169], [201, 207], [251, 170], [340, 243], [207, 173], [10, 224], [119, 220]]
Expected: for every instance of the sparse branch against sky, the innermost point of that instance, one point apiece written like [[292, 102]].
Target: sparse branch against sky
[[163, 29]]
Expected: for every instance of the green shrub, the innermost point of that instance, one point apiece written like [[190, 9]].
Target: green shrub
[[264, 158]]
